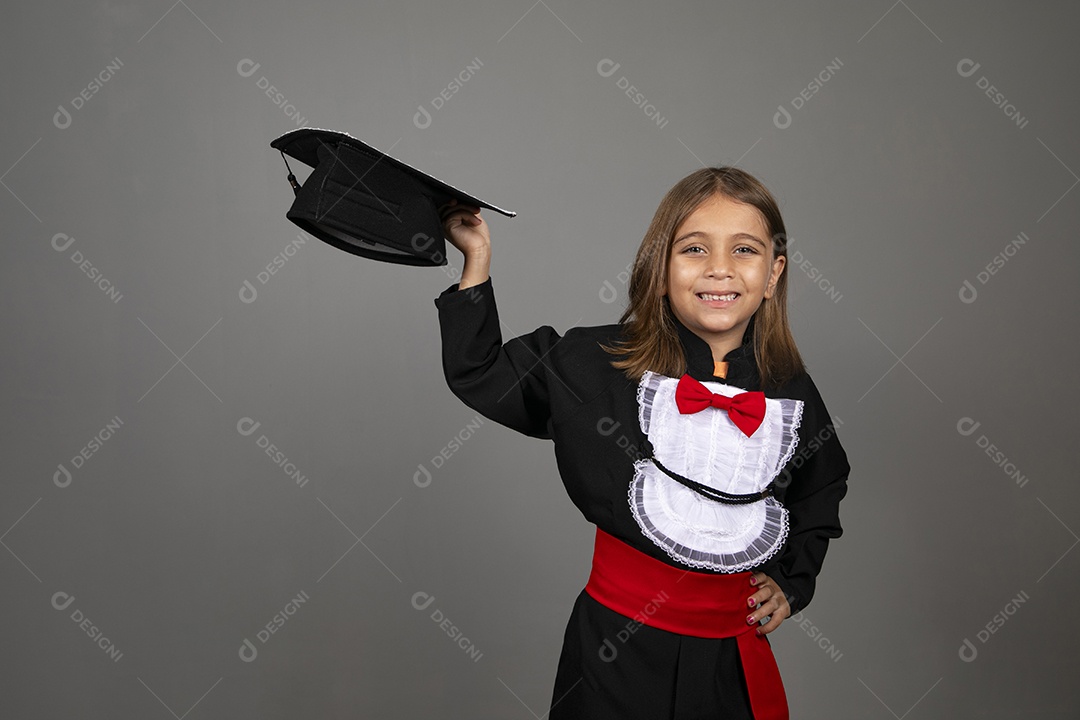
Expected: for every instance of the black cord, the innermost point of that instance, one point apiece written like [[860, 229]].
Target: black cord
[[711, 493], [292, 178]]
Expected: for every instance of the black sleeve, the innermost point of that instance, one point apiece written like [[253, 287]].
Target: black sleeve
[[507, 383], [813, 482]]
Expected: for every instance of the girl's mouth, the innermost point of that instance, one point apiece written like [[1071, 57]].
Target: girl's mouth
[[720, 299]]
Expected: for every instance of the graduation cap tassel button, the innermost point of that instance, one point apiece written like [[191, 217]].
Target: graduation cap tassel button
[[291, 177]]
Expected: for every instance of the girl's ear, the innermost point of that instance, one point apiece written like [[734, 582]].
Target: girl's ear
[[774, 277]]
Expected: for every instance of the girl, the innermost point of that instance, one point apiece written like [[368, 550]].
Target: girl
[[690, 434]]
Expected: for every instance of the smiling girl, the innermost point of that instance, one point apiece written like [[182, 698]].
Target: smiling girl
[[690, 435]]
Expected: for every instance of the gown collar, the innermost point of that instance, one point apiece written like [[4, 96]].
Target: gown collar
[[741, 366]]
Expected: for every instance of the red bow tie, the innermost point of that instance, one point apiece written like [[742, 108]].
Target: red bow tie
[[746, 410]]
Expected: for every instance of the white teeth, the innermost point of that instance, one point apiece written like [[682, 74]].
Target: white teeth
[[707, 296]]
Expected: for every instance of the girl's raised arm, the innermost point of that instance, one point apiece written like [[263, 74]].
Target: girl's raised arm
[[507, 383]]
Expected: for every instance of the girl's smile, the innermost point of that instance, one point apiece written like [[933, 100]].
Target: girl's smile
[[720, 269], [718, 301]]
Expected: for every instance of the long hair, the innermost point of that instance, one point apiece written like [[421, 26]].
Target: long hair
[[651, 335]]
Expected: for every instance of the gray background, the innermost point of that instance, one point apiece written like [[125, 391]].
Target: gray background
[[180, 538]]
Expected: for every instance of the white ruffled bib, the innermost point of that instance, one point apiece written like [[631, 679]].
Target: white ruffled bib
[[708, 448]]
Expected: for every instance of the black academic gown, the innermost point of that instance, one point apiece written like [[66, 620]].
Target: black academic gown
[[563, 388]]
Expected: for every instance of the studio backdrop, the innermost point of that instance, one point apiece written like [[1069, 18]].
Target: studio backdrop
[[236, 483]]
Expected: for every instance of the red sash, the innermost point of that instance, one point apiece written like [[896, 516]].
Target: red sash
[[688, 603]]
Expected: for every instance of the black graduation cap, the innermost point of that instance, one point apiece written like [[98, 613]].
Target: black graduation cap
[[365, 202]]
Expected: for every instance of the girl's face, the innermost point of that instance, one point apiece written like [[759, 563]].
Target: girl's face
[[720, 268]]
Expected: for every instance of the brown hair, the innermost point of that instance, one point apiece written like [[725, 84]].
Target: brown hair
[[652, 339]]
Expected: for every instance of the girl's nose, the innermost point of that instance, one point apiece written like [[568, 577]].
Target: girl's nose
[[719, 266]]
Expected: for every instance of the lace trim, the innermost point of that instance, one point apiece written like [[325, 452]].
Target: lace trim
[[792, 414], [646, 393], [724, 538]]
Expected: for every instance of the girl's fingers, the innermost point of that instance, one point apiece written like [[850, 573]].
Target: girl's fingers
[[453, 206], [763, 593], [772, 613], [465, 217], [768, 602], [774, 622]]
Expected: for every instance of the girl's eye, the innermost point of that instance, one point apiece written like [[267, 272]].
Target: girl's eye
[[693, 247], [745, 250]]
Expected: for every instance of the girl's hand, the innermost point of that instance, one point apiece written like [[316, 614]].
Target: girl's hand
[[769, 600], [465, 229]]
